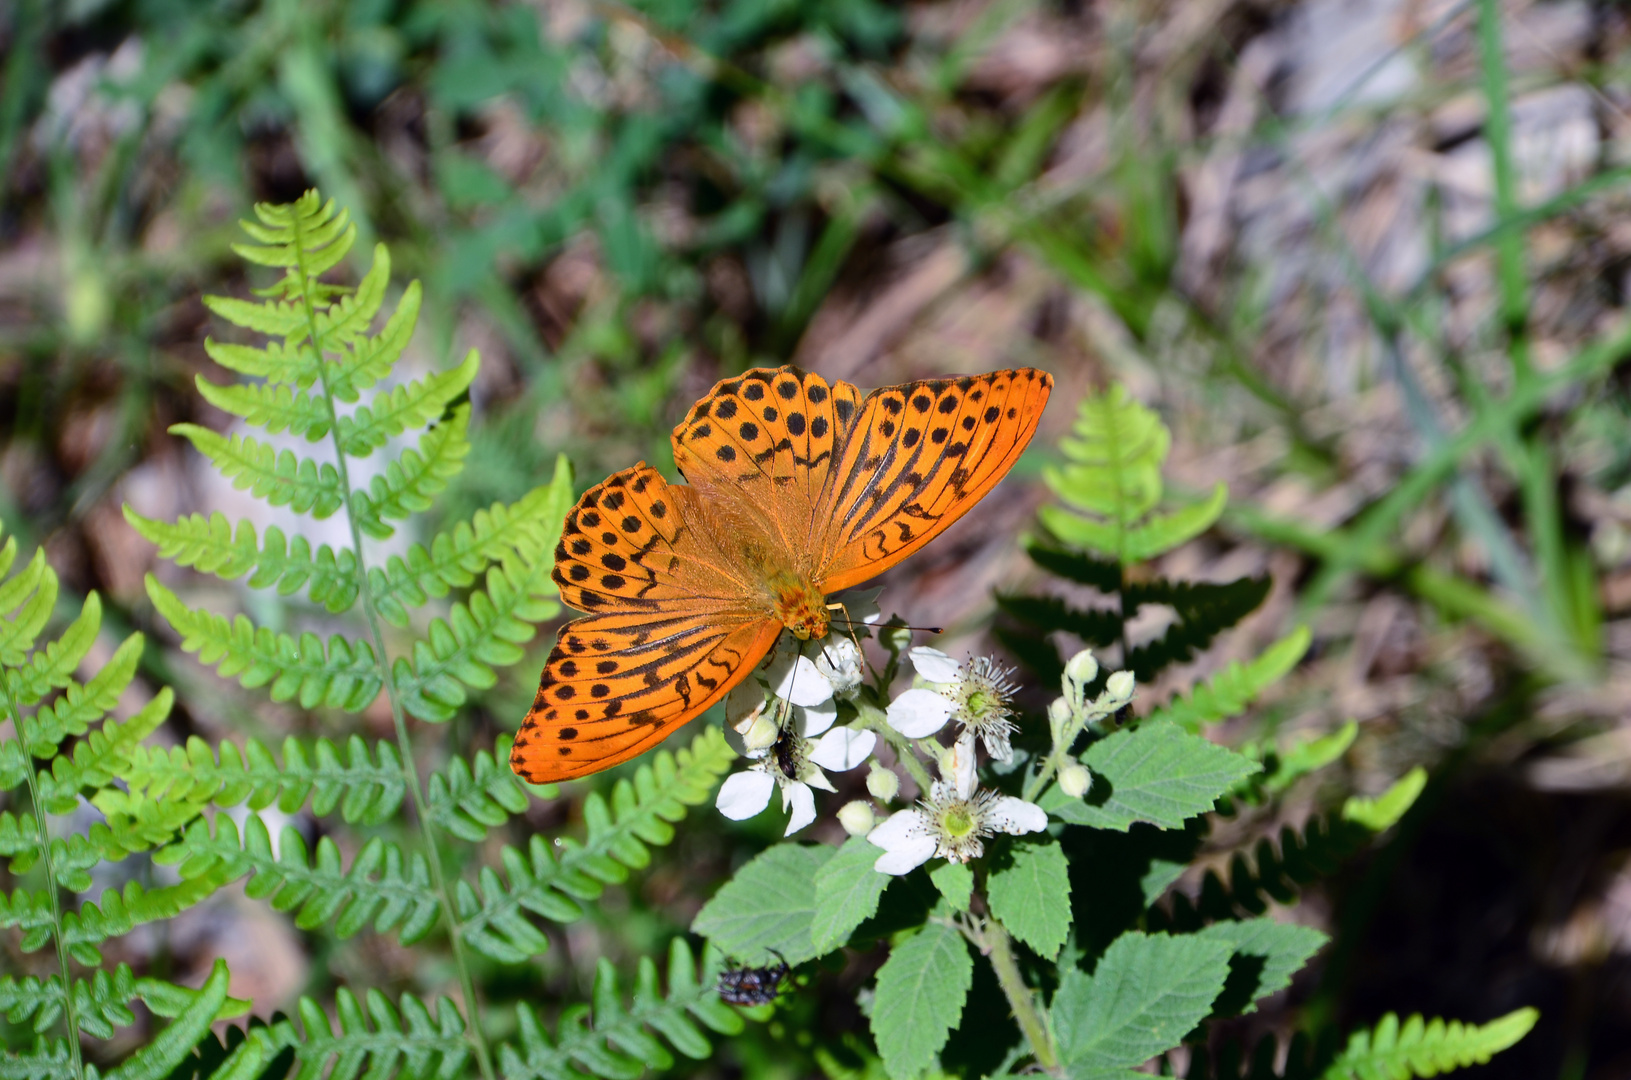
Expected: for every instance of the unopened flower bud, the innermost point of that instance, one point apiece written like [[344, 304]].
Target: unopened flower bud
[[856, 817], [895, 638], [1080, 670], [762, 733], [882, 783], [1120, 687], [1074, 780], [1058, 715]]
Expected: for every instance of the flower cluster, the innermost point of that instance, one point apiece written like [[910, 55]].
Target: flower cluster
[[785, 721]]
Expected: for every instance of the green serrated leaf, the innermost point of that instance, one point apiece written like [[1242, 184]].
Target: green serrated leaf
[[1030, 895], [770, 903], [847, 893], [1146, 993], [1160, 533], [920, 995], [1266, 955], [1155, 772], [955, 882]]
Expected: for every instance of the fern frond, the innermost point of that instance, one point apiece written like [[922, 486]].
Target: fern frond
[[345, 676], [1227, 693], [52, 667], [32, 594], [277, 363], [408, 483], [401, 896], [367, 360], [286, 564], [408, 1042], [527, 528], [1205, 609], [468, 800], [101, 1003], [118, 913], [1395, 1052], [279, 477], [30, 913], [99, 756], [413, 405], [19, 840], [14, 765], [49, 1060], [485, 631], [612, 1039], [1113, 484], [275, 409], [1277, 874], [367, 786], [549, 883], [81, 706]]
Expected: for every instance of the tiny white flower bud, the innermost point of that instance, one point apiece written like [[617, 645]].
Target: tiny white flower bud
[[857, 818], [895, 638], [1081, 669], [1074, 780], [1120, 686], [1058, 716], [882, 783], [762, 733]]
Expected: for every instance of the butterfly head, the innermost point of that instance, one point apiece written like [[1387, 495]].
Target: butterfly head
[[800, 606]]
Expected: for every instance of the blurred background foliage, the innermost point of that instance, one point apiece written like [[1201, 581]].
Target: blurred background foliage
[[1368, 258]]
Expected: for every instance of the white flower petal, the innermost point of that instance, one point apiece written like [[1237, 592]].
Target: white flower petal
[[906, 858], [795, 678], [816, 778], [1011, 815], [898, 828], [934, 665], [961, 771], [745, 701], [843, 748], [803, 801], [745, 794], [917, 714], [862, 604], [815, 719]]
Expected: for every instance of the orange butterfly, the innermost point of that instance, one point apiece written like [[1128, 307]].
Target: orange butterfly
[[796, 489]]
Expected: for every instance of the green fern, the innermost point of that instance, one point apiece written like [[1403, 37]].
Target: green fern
[[1113, 484], [47, 707], [611, 1039], [1416, 1048]]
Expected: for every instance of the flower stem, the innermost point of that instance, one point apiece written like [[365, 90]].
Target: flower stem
[[871, 717], [999, 950]]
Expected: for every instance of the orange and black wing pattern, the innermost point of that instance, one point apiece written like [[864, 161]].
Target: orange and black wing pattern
[[919, 457], [673, 627]]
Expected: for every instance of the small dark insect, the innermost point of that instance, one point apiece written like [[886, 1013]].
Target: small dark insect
[[753, 985]]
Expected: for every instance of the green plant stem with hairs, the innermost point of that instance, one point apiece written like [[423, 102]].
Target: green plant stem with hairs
[[994, 941], [410, 767], [70, 1017]]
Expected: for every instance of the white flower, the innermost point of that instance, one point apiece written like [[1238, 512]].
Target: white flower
[[794, 677], [795, 765], [839, 662], [954, 820], [860, 607], [976, 695]]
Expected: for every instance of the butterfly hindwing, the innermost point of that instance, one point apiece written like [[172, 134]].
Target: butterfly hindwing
[[921, 455], [615, 685]]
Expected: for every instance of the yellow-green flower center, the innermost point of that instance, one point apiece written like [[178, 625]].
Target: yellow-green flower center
[[957, 822]]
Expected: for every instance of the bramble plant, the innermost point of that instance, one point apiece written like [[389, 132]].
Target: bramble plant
[[1054, 858], [1031, 875]]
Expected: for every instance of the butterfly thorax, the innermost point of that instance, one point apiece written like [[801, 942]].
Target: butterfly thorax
[[799, 605]]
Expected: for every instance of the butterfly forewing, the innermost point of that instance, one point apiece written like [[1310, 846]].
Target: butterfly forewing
[[769, 438], [922, 454], [615, 685]]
